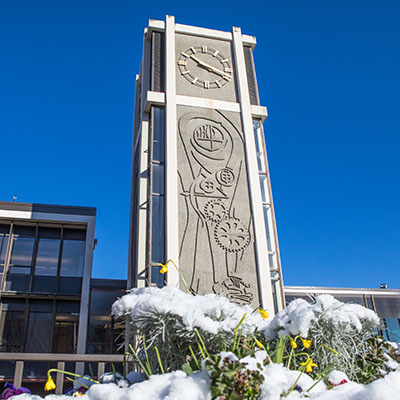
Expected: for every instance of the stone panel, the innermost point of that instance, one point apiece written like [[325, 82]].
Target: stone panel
[[216, 237], [205, 50]]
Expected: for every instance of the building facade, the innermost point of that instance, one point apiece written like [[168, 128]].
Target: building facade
[[46, 254], [201, 193]]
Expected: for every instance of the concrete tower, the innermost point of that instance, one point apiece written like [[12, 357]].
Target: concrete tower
[[201, 193]]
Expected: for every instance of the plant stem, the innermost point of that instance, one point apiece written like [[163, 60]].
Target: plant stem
[[194, 357], [147, 357], [236, 331], [139, 361], [180, 275], [159, 360], [295, 383]]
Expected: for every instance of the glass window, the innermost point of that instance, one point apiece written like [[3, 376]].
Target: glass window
[[44, 284], [38, 332], [3, 247], [69, 285], [350, 299], [65, 334], [393, 329], [73, 257], [264, 189], [47, 257], [100, 334], [20, 270], [387, 307], [11, 331], [156, 276], [158, 134], [259, 145], [22, 250], [268, 233], [158, 178], [17, 283], [157, 229]]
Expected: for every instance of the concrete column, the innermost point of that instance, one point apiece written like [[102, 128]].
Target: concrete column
[[171, 167], [263, 267]]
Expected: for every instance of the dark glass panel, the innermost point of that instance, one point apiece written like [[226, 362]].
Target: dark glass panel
[[22, 250], [65, 334], [24, 230], [41, 305], [157, 277], [101, 301], [350, 299], [290, 297], [18, 283], [388, 306], [44, 284], [158, 178], [11, 331], [158, 134], [47, 257], [37, 369], [69, 285], [73, 257], [14, 304], [69, 307], [3, 247], [49, 233], [7, 369], [100, 334], [4, 228], [38, 332], [157, 230], [74, 234]]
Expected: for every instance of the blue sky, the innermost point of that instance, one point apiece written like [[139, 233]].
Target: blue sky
[[328, 72]]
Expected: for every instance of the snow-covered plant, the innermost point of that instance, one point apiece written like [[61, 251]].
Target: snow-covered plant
[[168, 318], [331, 325]]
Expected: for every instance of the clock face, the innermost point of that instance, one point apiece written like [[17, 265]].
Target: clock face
[[205, 67]]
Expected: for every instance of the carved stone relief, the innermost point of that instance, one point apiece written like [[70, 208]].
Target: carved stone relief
[[215, 224]]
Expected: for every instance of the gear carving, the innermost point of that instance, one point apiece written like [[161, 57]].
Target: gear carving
[[232, 235], [215, 211]]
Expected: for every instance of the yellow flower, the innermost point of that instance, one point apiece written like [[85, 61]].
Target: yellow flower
[[306, 343], [309, 364], [50, 385], [258, 343], [293, 343], [164, 268], [263, 313]]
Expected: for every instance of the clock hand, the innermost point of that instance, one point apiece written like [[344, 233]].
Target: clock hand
[[209, 67]]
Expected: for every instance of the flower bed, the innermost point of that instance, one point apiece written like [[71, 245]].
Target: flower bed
[[205, 347]]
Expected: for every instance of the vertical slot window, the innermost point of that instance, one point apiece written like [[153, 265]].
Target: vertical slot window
[[157, 185]]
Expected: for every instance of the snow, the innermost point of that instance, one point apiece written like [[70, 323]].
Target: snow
[[337, 377], [215, 314], [211, 313], [297, 317]]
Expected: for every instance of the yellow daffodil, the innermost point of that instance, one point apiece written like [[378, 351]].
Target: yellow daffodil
[[293, 344], [263, 313], [309, 364], [50, 385], [258, 343], [164, 268], [306, 343]]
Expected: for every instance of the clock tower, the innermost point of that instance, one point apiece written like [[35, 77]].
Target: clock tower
[[201, 193]]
